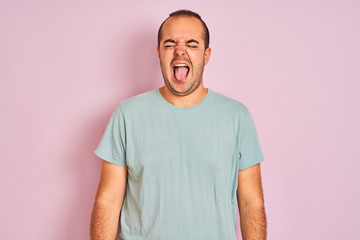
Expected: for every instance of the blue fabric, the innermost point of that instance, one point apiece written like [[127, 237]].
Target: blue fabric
[[182, 165]]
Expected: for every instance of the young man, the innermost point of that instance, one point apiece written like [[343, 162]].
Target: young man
[[178, 159]]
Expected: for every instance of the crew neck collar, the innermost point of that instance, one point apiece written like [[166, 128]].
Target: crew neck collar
[[202, 102]]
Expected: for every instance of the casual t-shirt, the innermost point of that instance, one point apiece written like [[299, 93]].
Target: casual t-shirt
[[182, 165]]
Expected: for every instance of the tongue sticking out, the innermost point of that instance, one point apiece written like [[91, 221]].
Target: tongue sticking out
[[181, 73]]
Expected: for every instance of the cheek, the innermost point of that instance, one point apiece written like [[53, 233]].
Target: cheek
[[165, 65], [166, 59], [196, 56]]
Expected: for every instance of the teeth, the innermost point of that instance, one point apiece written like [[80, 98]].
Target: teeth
[[180, 65]]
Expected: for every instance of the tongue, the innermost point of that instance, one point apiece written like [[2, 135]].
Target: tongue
[[180, 73]]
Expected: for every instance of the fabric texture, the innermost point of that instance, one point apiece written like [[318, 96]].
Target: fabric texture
[[182, 165]]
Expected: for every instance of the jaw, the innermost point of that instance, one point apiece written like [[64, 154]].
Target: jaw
[[189, 84], [184, 88]]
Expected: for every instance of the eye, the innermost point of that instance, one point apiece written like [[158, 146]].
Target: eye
[[168, 46], [192, 46]]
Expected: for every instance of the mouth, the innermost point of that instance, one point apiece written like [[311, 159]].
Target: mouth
[[180, 71]]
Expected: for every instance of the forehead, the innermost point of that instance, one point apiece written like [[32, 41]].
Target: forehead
[[182, 27]]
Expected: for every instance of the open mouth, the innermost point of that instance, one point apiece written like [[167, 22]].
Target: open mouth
[[181, 71]]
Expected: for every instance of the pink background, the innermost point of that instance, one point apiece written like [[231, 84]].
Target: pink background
[[65, 65]]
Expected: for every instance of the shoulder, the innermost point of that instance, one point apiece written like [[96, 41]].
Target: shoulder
[[227, 103], [137, 102]]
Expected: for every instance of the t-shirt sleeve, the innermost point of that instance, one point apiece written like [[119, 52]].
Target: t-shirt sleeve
[[113, 143], [249, 148]]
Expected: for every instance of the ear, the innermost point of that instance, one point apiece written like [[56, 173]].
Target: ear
[[158, 51], [207, 55]]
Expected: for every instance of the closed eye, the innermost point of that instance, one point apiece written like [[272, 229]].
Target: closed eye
[[169, 45]]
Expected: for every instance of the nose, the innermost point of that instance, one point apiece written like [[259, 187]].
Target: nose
[[180, 50]]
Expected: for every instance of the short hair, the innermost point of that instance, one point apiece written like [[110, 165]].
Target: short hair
[[187, 13]]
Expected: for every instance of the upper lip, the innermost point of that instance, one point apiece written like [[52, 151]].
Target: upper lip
[[180, 62]]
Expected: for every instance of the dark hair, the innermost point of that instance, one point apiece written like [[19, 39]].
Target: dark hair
[[187, 13]]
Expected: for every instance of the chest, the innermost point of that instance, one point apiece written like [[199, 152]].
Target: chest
[[187, 142]]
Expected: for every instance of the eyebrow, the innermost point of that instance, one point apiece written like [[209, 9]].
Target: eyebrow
[[193, 41], [169, 41]]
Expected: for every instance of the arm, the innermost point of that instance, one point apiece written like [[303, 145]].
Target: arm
[[251, 204], [108, 202]]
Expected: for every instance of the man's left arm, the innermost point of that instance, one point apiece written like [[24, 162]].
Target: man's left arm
[[251, 204]]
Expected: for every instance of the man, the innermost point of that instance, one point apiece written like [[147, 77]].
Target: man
[[178, 159]]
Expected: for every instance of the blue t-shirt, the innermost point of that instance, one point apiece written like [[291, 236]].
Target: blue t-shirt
[[182, 165]]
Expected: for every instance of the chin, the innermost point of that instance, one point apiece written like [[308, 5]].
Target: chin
[[178, 90], [182, 90]]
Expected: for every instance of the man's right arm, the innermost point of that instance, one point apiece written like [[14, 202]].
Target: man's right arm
[[108, 202]]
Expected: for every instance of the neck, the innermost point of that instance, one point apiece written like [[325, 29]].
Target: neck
[[189, 100]]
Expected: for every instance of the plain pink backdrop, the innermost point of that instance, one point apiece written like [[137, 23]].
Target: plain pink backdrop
[[65, 65]]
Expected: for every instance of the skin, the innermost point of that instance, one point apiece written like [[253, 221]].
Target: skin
[[251, 204], [182, 41], [108, 201]]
